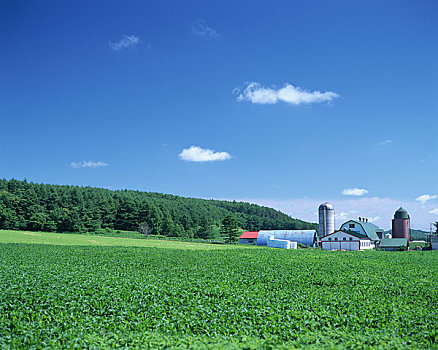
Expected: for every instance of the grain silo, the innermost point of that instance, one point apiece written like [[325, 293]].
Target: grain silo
[[400, 224], [326, 219]]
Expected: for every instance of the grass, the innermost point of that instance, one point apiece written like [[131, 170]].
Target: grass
[[9, 236], [413, 245]]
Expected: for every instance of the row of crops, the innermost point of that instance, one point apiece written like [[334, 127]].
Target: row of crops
[[115, 297]]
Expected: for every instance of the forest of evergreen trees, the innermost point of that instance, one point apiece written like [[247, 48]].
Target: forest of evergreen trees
[[38, 207]]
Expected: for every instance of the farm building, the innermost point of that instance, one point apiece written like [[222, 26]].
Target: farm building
[[434, 242], [305, 237], [249, 237], [365, 228], [394, 244], [346, 240]]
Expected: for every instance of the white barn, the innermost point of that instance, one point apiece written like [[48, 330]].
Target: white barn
[[346, 240]]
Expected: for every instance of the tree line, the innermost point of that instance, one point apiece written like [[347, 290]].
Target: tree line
[[54, 208]]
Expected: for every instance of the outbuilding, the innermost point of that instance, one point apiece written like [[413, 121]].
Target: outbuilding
[[249, 237], [394, 244], [346, 240], [434, 242]]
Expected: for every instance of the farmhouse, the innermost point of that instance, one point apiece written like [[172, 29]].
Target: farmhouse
[[346, 240], [249, 237]]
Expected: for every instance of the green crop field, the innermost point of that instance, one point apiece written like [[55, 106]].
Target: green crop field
[[94, 296], [9, 236]]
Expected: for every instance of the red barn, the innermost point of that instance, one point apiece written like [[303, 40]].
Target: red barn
[[249, 237]]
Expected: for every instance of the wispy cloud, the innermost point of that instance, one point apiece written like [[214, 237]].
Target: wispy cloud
[[198, 154], [342, 215], [200, 28], [425, 197], [294, 95], [88, 164], [125, 42], [386, 142], [354, 191], [434, 211], [375, 219]]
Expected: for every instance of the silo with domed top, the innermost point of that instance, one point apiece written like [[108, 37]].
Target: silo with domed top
[[326, 214], [400, 224]]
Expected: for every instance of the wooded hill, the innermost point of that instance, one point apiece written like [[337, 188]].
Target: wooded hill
[[38, 207]]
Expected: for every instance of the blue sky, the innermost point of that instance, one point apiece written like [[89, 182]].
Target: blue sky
[[283, 103]]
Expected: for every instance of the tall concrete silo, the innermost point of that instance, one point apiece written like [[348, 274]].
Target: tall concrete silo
[[400, 224], [326, 219]]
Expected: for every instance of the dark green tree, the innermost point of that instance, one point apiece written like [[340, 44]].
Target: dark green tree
[[229, 229], [168, 227], [38, 207], [204, 229]]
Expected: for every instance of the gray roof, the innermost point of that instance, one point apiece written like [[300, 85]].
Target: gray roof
[[371, 230], [393, 242], [354, 233]]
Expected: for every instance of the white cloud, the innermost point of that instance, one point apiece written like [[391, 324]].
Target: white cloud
[[200, 28], [386, 142], [343, 215], [198, 154], [88, 164], [375, 219], [354, 192], [125, 42], [290, 94], [425, 197], [434, 211]]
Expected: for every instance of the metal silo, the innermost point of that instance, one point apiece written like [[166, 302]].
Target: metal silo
[[326, 219]]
